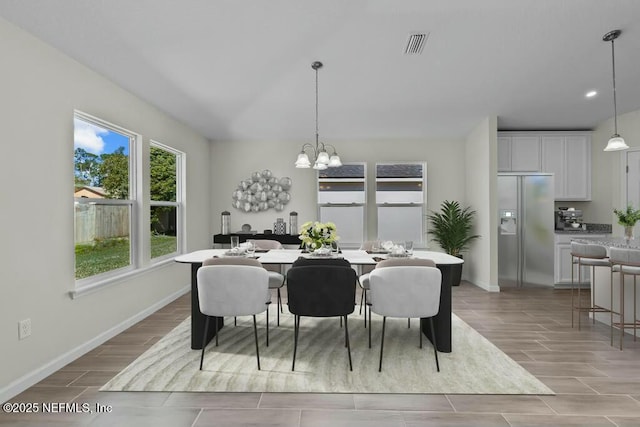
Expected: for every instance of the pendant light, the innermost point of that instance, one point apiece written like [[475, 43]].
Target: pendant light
[[319, 154], [616, 142]]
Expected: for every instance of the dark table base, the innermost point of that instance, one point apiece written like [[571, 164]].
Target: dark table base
[[197, 318], [442, 320]]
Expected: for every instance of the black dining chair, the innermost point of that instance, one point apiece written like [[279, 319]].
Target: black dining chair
[[315, 289], [338, 262]]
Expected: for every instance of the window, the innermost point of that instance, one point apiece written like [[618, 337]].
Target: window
[[115, 234], [400, 198], [342, 200], [165, 201], [103, 192]]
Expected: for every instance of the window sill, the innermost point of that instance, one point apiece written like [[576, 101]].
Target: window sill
[[104, 283]]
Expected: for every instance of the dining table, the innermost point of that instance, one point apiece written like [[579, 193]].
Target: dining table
[[444, 262]]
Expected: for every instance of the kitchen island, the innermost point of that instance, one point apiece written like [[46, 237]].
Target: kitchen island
[[603, 280]]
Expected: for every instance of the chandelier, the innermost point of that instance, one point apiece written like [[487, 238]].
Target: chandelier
[[616, 142], [321, 158]]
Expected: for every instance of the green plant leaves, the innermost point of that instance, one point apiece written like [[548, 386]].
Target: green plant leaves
[[451, 227], [628, 217]]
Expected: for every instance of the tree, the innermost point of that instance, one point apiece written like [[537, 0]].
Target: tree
[[162, 166], [87, 167], [114, 169]]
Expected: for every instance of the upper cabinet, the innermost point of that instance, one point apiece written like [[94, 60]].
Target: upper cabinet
[[565, 154], [569, 158], [518, 153]]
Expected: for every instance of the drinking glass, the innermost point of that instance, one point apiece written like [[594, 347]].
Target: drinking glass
[[251, 248], [235, 241], [408, 247]]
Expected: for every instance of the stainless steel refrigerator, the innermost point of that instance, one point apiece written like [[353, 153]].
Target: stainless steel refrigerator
[[525, 230]]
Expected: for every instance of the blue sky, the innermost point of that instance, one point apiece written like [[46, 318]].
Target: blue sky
[[97, 140]]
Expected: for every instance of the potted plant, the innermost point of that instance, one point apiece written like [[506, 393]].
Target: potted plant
[[451, 229], [628, 218]]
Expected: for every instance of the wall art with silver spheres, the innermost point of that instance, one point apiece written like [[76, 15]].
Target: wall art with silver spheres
[[262, 191]]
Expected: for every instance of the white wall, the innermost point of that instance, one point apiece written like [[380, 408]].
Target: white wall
[[480, 166], [606, 170], [233, 162], [40, 89], [629, 128]]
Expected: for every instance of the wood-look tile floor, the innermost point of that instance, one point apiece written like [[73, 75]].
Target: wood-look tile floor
[[596, 384]]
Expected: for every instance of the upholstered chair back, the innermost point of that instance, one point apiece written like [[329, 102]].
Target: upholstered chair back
[[233, 290], [405, 291]]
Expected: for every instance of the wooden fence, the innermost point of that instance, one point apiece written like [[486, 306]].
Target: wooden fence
[[100, 222]]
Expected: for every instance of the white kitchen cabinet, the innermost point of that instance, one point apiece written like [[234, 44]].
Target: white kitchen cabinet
[[565, 154], [518, 153], [504, 154], [568, 157], [562, 267]]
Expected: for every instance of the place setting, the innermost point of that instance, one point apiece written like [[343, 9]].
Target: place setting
[[388, 249], [246, 249]]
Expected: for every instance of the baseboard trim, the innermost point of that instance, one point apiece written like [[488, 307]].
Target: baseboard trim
[[569, 286], [28, 380], [487, 287]]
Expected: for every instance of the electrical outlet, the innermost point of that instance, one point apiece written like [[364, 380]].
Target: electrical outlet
[[24, 328]]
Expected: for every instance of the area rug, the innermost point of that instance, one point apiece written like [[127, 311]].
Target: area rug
[[475, 366]]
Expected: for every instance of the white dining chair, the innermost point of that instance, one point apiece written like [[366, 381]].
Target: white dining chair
[[274, 277], [275, 281], [406, 291], [232, 290]]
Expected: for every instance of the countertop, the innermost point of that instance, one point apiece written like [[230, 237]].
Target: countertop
[[581, 232], [614, 242], [592, 228]]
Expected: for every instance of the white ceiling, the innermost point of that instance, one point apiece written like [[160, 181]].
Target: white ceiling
[[241, 69]]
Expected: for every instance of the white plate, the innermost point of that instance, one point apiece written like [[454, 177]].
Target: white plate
[[398, 255], [235, 254]]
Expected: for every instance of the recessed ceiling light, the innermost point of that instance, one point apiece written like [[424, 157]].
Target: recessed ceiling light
[[591, 94]]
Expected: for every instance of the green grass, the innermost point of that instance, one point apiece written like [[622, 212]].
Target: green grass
[[162, 245], [111, 254]]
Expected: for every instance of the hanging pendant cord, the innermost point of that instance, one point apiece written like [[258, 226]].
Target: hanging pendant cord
[[615, 110], [317, 135]]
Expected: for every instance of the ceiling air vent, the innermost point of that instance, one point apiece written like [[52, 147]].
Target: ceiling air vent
[[415, 43]]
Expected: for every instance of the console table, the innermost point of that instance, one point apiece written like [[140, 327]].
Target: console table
[[285, 239]]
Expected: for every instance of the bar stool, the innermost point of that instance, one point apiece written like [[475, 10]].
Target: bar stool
[[593, 256], [626, 262]]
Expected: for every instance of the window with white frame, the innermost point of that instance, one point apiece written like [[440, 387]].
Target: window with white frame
[[104, 195], [165, 165]]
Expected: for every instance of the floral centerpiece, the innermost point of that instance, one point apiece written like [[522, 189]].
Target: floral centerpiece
[[628, 218], [316, 235]]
